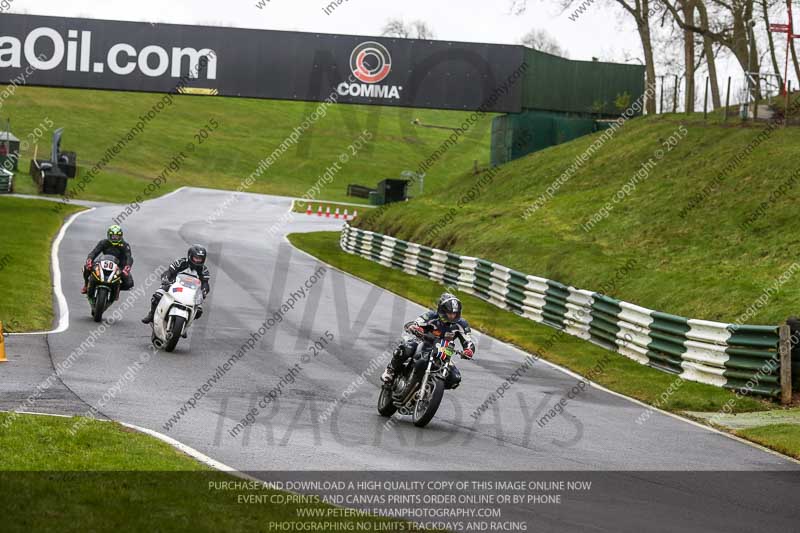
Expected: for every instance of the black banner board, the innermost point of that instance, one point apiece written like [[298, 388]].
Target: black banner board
[[139, 56]]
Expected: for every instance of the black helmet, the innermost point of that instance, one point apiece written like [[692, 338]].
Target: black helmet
[[449, 304], [197, 256]]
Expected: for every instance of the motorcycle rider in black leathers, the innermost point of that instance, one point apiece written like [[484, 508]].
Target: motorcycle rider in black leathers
[[194, 263], [445, 319], [114, 245]]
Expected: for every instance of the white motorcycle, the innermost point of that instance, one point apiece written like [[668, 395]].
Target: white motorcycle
[[176, 311]]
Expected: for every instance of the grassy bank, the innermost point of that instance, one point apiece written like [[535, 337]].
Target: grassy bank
[[708, 221], [247, 131], [107, 477], [27, 230]]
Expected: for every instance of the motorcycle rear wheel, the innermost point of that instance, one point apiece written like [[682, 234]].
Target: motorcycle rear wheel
[[425, 409]]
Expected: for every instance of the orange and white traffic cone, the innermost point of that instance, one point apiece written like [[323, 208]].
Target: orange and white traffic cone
[[308, 211], [2, 345], [319, 211], [337, 213], [355, 214], [346, 216], [328, 212]]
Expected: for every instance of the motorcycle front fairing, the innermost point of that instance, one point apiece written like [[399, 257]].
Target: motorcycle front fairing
[[105, 273], [182, 299]]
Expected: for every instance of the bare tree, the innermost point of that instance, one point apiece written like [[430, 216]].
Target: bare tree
[[771, 42], [640, 11], [517, 7], [794, 52], [422, 30], [732, 27], [418, 29], [794, 60], [711, 60], [687, 6], [544, 42], [683, 53], [396, 28]]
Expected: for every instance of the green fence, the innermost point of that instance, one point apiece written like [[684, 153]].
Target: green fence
[[553, 83]]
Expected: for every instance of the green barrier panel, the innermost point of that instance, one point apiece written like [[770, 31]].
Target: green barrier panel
[[746, 355]]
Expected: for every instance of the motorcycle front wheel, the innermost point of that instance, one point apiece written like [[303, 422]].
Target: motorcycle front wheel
[[174, 333], [428, 404], [101, 297], [385, 404]]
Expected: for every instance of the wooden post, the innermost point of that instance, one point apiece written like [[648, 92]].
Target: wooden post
[[705, 101], [675, 96], [785, 351], [727, 98], [755, 98], [786, 103]]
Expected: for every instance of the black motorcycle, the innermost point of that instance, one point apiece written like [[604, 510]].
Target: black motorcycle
[[418, 387], [104, 285]]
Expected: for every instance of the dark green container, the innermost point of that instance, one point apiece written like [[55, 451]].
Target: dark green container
[[376, 198], [9, 151], [520, 134], [6, 181]]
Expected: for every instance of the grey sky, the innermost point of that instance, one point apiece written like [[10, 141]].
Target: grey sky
[[595, 33]]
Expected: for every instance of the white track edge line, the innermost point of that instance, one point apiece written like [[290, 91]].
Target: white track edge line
[[63, 308], [570, 372], [188, 450]]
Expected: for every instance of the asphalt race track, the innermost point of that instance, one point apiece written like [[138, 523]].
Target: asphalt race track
[[314, 426]]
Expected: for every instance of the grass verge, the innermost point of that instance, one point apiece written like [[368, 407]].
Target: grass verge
[[27, 229], [784, 438], [109, 478]]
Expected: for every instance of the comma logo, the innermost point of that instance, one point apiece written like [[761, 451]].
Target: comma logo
[[371, 62]]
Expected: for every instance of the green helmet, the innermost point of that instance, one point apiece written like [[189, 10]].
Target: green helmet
[[114, 234]]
